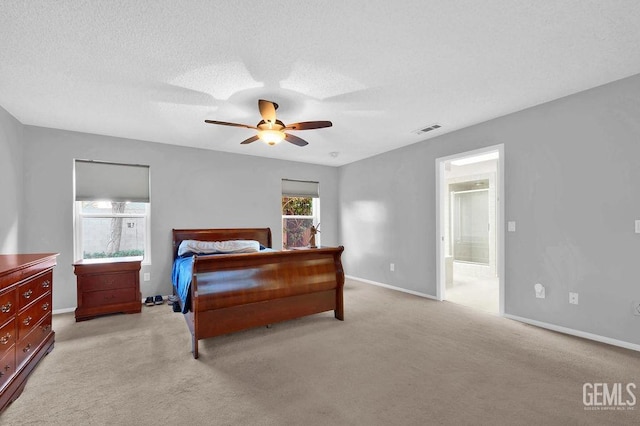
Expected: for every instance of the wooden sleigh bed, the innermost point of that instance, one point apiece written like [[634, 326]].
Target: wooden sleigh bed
[[232, 292]]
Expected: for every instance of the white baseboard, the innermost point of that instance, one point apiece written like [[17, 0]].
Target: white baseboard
[[578, 333], [404, 290]]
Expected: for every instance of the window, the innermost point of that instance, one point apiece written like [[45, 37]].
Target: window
[[300, 211], [111, 229], [111, 210]]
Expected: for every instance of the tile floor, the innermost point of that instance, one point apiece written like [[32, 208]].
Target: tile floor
[[476, 292]]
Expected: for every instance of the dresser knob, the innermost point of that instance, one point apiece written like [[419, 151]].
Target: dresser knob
[[27, 294], [7, 307], [27, 349], [46, 328], [27, 320], [46, 284], [5, 339], [7, 367], [45, 306]]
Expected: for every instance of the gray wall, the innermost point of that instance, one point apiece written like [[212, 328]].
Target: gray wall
[[10, 182], [572, 167], [571, 170], [190, 188]]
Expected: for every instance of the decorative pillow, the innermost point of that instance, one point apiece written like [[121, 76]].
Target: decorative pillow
[[210, 247]]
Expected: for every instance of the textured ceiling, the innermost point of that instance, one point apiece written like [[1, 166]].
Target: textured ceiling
[[155, 70]]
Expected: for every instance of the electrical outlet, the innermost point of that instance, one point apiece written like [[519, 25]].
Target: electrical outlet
[[392, 267], [539, 290], [573, 298], [147, 276], [636, 308]]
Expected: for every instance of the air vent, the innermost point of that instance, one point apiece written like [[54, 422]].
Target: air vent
[[427, 129]]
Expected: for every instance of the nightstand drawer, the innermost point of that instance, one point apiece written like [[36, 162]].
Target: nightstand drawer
[[34, 288], [32, 315], [8, 304], [112, 281], [107, 286], [112, 297]]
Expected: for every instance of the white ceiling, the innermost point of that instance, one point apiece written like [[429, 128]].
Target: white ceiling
[[378, 69]]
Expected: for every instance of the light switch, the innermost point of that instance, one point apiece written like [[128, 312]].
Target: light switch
[[511, 226]]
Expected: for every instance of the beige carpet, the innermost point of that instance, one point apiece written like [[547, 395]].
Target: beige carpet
[[396, 360]]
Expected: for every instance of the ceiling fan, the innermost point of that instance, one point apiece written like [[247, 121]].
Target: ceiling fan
[[271, 130]]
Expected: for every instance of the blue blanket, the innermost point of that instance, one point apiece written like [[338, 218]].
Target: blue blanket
[[181, 278]]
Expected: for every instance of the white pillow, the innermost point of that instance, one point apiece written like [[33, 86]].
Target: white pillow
[[210, 247]]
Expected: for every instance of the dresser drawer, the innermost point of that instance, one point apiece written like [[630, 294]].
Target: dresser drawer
[[7, 336], [34, 288], [28, 318], [111, 297], [8, 304], [28, 270], [25, 283], [106, 281], [7, 366], [29, 344]]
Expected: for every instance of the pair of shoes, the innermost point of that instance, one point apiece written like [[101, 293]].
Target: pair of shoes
[[176, 307], [172, 298], [151, 300]]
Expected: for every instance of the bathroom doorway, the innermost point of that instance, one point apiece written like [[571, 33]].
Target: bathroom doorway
[[470, 255]]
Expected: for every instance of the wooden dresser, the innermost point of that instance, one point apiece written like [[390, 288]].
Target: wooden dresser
[[107, 286], [26, 282]]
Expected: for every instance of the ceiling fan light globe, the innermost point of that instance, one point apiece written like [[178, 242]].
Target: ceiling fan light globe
[[271, 137]]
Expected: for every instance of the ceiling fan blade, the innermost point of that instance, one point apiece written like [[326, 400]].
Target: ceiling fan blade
[[268, 110], [251, 139], [295, 140], [224, 123], [308, 125]]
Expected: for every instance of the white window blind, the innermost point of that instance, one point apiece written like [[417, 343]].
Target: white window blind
[[300, 188], [95, 180]]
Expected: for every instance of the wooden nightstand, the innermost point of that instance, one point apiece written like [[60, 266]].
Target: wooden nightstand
[[107, 286]]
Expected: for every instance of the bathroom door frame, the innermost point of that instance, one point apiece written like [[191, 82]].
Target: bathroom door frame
[[441, 199]]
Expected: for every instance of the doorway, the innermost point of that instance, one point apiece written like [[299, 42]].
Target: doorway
[[470, 254]]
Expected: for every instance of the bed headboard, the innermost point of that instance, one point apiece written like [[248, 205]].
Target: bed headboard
[[262, 235]]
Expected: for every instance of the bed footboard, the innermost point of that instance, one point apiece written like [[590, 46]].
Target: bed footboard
[[235, 292]]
